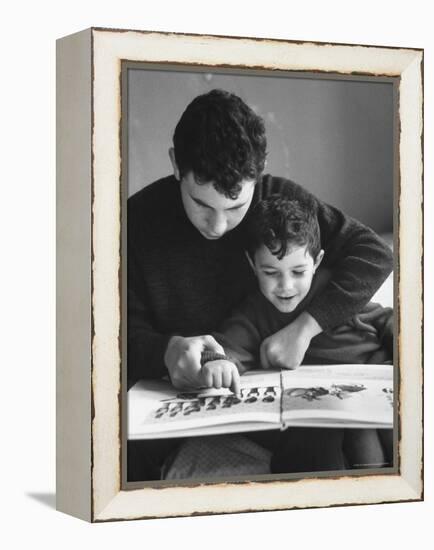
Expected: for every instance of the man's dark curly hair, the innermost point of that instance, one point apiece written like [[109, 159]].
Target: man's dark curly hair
[[221, 140], [280, 224]]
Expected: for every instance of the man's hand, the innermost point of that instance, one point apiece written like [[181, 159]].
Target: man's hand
[[182, 359], [286, 348], [221, 374]]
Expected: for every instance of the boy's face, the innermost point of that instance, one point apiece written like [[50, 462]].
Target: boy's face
[[211, 212], [287, 281]]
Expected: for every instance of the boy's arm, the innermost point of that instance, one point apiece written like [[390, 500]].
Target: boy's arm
[[286, 348], [241, 340], [220, 371]]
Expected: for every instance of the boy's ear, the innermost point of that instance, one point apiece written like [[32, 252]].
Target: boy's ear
[[251, 262], [319, 258], [174, 165]]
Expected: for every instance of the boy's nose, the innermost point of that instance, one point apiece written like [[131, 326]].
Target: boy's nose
[[286, 284]]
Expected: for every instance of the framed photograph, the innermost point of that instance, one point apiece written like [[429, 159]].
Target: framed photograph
[[239, 274]]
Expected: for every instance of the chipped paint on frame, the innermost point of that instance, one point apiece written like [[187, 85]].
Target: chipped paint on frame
[[109, 47]]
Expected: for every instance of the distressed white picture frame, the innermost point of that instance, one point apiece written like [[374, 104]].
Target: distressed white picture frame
[[89, 312]]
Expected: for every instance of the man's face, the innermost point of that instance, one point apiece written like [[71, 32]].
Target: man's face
[[211, 212], [287, 281]]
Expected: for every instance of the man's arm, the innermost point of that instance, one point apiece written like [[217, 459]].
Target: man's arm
[[384, 325], [146, 346], [381, 318], [360, 262], [152, 354]]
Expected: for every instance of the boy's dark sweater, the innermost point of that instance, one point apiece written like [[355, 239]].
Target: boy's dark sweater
[[367, 337], [181, 283]]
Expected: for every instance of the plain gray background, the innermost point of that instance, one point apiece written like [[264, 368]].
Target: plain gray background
[[334, 137]]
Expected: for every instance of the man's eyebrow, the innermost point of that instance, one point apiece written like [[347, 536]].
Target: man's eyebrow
[[202, 203], [237, 206], [199, 201]]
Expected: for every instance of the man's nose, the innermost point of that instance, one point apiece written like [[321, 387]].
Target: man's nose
[[217, 225]]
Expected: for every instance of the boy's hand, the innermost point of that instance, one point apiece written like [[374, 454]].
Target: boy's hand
[[221, 374], [182, 359], [286, 348]]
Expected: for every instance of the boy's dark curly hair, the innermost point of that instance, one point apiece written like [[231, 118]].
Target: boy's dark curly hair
[[221, 140], [280, 224]]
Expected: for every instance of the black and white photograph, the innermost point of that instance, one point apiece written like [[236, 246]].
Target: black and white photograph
[[258, 230]]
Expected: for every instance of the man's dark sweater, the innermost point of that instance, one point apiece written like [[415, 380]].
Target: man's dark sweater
[[181, 283]]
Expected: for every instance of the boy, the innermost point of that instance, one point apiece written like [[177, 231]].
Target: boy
[[284, 250], [186, 265]]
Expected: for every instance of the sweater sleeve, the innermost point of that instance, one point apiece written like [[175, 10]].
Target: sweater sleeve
[[385, 329], [145, 345], [381, 318], [358, 258], [360, 262], [241, 340]]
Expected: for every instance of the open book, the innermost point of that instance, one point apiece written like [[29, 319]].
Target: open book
[[350, 396]]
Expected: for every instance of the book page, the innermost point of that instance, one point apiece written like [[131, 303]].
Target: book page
[[358, 396], [157, 410]]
